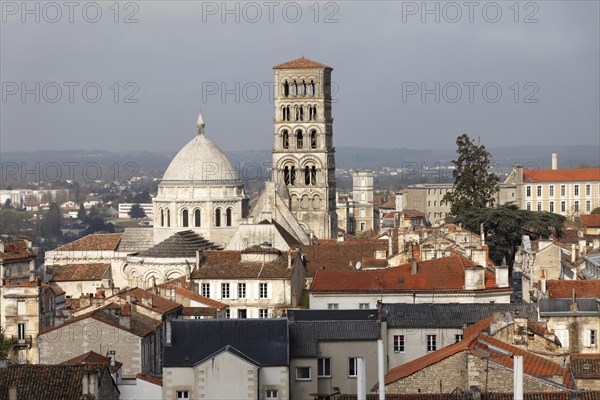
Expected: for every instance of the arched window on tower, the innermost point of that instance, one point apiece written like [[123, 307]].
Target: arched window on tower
[[286, 175], [218, 217], [299, 139], [286, 88], [168, 217], [162, 217], [293, 175], [301, 113], [228, 215], [313, 175], [285, 138], [303, 88], [197, 218], [184, 218], [295, 88], [313, 139], [287, 113], [307, 175], [314, 113], [312, 88]]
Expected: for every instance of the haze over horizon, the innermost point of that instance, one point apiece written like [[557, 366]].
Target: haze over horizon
[[179, 58]]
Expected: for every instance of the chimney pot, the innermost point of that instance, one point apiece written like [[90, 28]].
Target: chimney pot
[[554, 161]]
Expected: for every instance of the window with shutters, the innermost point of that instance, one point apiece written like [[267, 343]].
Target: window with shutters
[[263, 292]]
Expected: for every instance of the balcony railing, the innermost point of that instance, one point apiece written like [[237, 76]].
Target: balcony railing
[[22, 342]]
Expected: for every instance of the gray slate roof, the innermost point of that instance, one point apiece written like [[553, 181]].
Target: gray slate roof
[[562, 306], [182, 244], [135, 240], [306, 335], [265, 341], [331, 315], [448, 315]]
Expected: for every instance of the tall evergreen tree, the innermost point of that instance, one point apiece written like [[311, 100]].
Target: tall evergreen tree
[[474, 185]]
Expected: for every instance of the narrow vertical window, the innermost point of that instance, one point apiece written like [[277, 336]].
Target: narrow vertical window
[[286, 175], [286, 140], [184, 218], [293, 175], [286, 88], [307, 175], [299, 139], [162, 217], [218, 217], [313, 175], [313, 139], [312, 88], [168, 217], [228, 217], [303, 88], [197, 220]]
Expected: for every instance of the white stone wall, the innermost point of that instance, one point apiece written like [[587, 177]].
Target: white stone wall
[[349, 301]]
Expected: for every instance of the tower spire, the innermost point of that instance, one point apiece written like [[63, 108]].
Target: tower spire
[[200, 124]]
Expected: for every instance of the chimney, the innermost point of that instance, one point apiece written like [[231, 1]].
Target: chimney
[[84, 300], [1, 246], [502, 275], [543, 282], [147, 301], [518, 174], [12, 393], [111, 354], [289, 258], [482, 233], [573, 253], [581, 245], [415, 268], [554, 161], [125, 316], [188, 269]]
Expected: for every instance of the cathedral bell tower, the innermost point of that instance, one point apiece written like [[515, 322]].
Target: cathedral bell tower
[[303, 152]]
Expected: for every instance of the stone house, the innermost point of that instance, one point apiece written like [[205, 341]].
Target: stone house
[[411, 331], [572, 310], [211, 358], [255, 283], [57, 382], [324, 348], [17, 260], [586, 370], [537, 260], [453, 279], [134, 337], [26, 308], [78, 279], [489, 366]]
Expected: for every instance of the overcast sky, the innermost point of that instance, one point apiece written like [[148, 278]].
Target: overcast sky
[[546, 64]]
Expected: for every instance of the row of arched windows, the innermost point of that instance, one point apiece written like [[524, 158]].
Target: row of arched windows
[[299, 113], [285, 139], [296, 88], [310, 175], [196, 218]]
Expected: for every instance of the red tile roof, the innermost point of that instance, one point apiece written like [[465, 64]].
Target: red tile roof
[[442, 274], [229, 264], [562, 289], [159, 304], [16, 250], [479, 345], [93, 358], [140, 325], [590, 220], [331, 255], [562, 175], [95, 241], [585, 366], [301, 62], [200, 299], [151, 379], [80, 272]]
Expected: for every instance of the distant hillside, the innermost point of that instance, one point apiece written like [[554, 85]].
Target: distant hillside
[[154, 163]]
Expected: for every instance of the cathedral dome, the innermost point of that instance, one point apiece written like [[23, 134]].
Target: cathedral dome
[[201, 161]]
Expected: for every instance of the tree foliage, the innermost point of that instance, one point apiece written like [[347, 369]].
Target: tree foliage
[[95, 222], [137, 211], [505, 225], [5, 345], [52, 221], [474, 186], [81, 213], [596, 210]]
